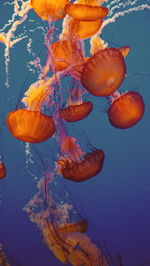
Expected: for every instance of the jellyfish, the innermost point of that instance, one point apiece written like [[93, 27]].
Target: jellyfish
[[83, 29], [85, 19], [30, 126], [76, 108], [63, 228], [61, 54], [76, 165], [2, 170], [126, 109], [86, 12], [104, 72], [50, 10], [77, 171], [80, 227], [76, 112], [65, 53], [73, 247]]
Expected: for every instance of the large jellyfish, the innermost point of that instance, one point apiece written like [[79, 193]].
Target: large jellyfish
[[30, 126], [69, 64]]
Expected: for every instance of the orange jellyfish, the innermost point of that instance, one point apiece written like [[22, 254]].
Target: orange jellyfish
[[104, 72], [85, 19], [61, 54], [90, 166], [2, 170], [72, 227], [86, 12], [84, 29], [30, 126], [76, 112], [72, 244], [65, 54], [50, 9], [126, 110]]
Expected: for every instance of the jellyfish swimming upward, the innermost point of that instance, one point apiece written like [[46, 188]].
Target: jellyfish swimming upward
[[74, 67]]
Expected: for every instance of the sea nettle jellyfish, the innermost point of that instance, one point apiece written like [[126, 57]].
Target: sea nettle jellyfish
[[66, 53], [126, 109], [104, 72], [90, 166], [85, 19], [76, 112], [72, 227], [76, 108], [76, 165], [63, 229], [86, 12], [73, 244], [49, 9], [30, 124], [80, 29], [2, 170]]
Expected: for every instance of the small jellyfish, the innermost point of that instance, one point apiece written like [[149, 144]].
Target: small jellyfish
[[2, 170], [126, 110], [104, 72], [30, 126], [76, 112], [73, 227], [88, 167]]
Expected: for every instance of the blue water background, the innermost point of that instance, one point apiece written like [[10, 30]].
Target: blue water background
[[116, 202]]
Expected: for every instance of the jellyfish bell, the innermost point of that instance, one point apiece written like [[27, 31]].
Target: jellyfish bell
[[126, 110], [72, 227], [30, 126], [86, 12], [84, 29], [76, 108], [88, 167], [65, 54], [61, 54], [104, 72], [76, 112], [2, 170], [49, 9]]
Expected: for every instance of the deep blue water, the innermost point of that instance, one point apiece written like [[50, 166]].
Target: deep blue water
[[117, 202]]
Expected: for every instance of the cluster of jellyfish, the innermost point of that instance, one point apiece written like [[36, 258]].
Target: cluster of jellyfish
[[42, 115]]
